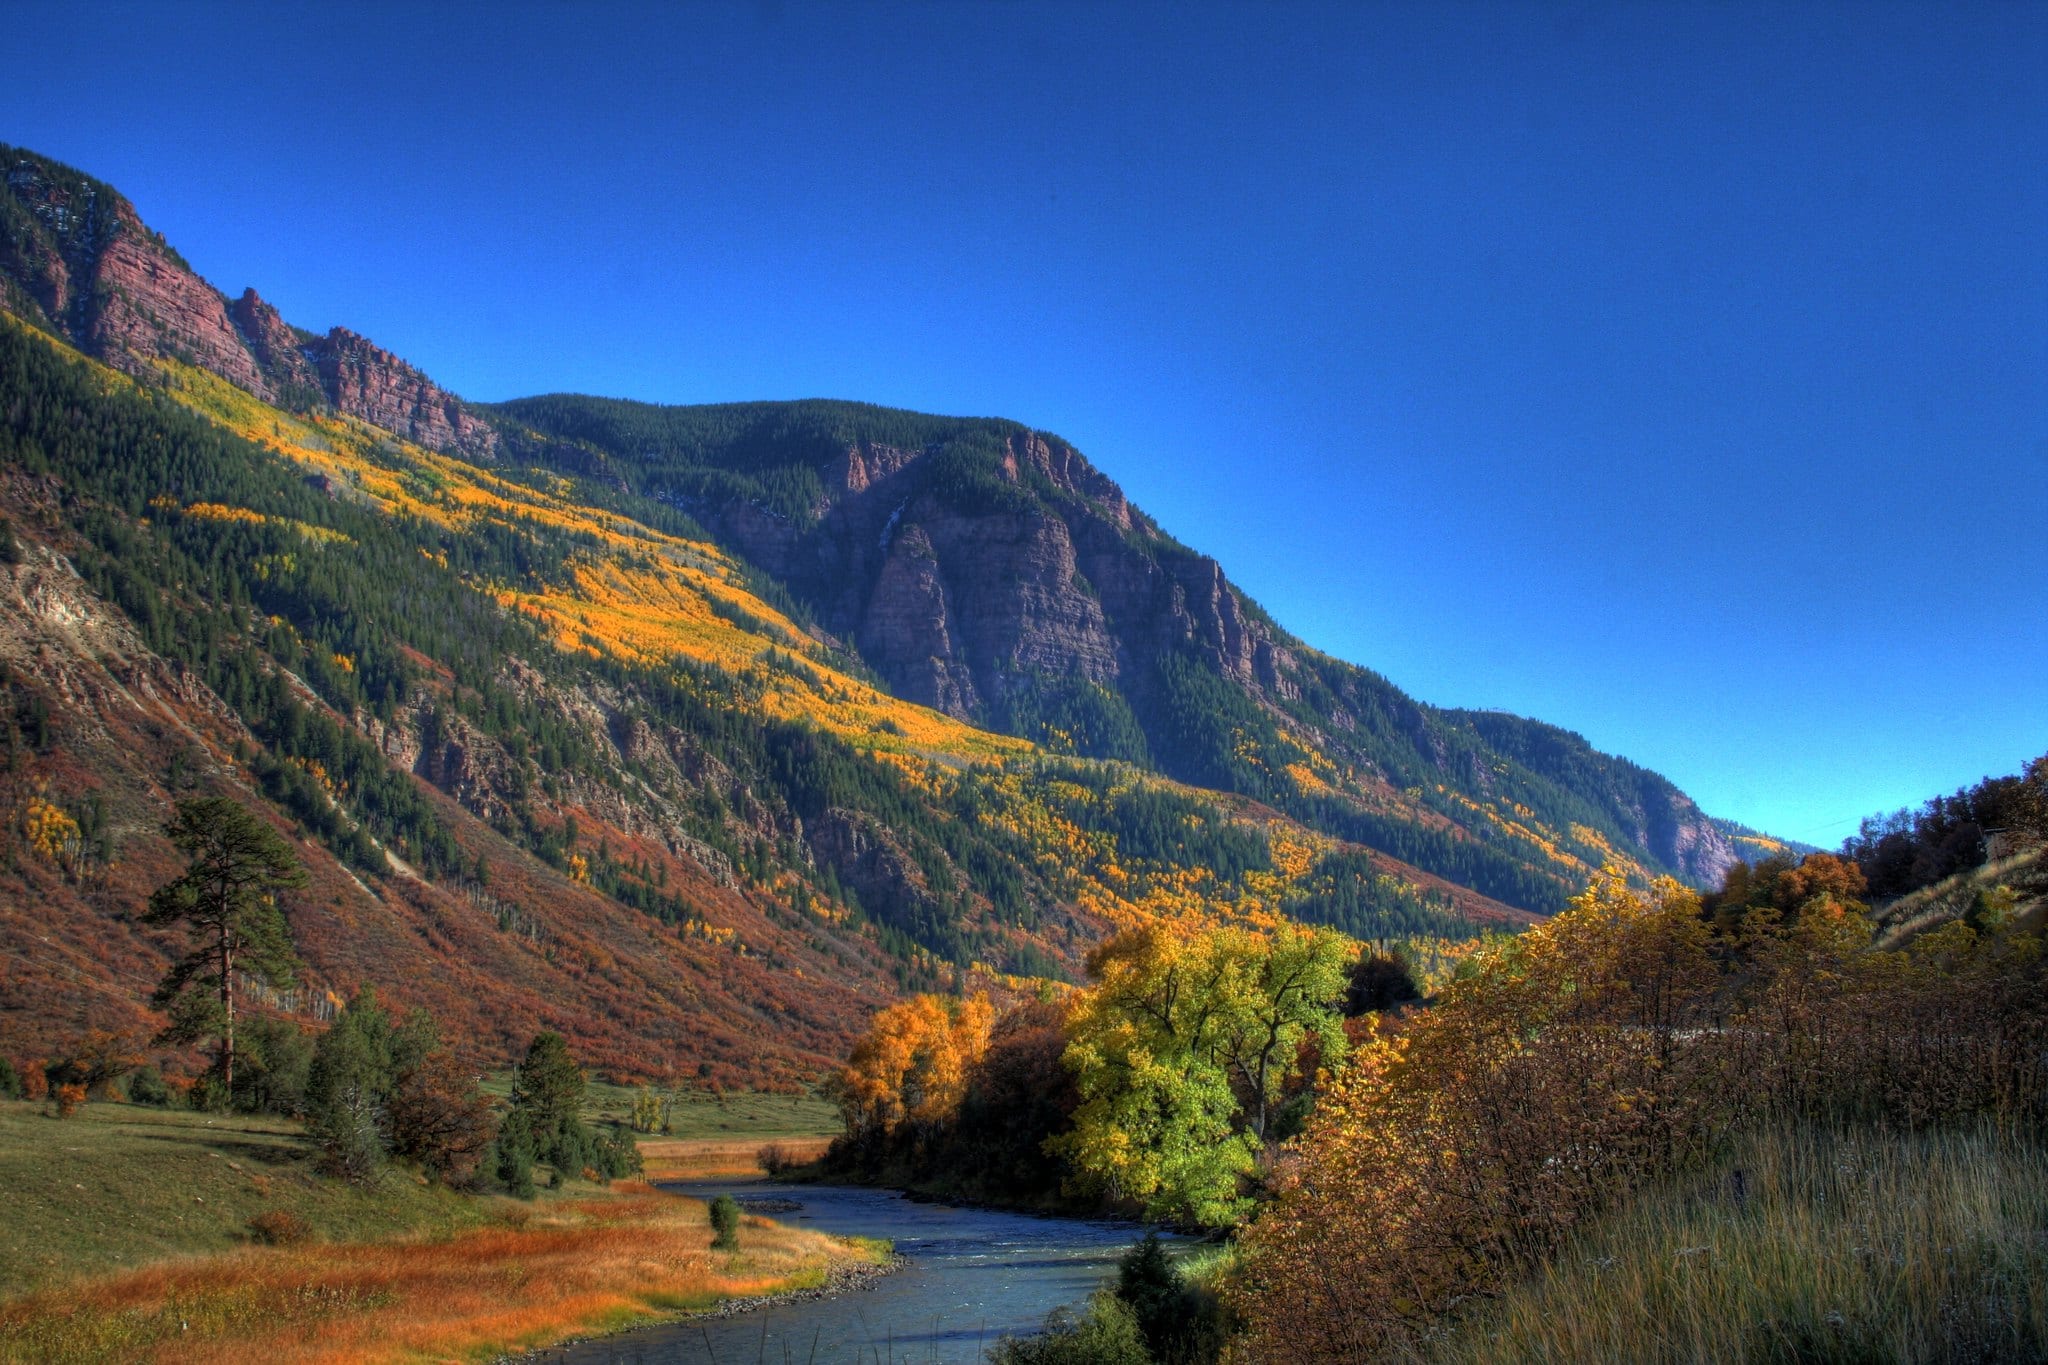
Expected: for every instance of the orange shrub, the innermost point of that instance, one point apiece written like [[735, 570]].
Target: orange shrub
[[68, 1096], [1598, 1052]]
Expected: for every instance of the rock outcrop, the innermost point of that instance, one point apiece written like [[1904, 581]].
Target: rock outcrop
[[76, 257], [279, 352], [363, 380]]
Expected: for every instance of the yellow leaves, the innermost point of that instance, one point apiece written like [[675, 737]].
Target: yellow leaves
[[213, 511], [641, 595], [51, 833]]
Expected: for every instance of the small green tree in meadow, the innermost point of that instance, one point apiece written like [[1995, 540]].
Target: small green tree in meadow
[[227, 899], [546, 1117], [347, 1088], [725, 1224]]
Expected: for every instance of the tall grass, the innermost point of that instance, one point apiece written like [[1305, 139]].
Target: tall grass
[[1801, 1245], [668, 1158]]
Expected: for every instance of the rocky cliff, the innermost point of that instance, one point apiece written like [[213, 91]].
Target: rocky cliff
[[992, 572], [76, 258], [976, 566]]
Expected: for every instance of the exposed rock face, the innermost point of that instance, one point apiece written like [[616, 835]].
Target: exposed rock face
[[74, 255], [278, 352], [968, 601], [147, 306], [364, 380], [50, 227], [958, 605]]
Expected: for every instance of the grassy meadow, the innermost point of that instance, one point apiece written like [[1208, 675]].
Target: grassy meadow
[[129, 1236]]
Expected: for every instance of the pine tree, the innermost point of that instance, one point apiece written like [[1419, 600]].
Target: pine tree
[[227, 898]]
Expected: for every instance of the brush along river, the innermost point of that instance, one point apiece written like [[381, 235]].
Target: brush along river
[[968, 1277]]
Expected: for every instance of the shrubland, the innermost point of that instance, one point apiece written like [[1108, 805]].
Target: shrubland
[[1630, 1042]]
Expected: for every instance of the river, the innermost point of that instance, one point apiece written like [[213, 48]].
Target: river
[[971, 1275]]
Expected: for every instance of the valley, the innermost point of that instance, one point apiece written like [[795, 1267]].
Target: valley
[[440, 840]]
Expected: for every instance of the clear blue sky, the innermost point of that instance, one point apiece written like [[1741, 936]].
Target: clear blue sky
[[1675, 373]]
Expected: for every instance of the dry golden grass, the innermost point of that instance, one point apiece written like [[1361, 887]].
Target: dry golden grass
[[541, 1275], [720, 1158], [1802, 1245]]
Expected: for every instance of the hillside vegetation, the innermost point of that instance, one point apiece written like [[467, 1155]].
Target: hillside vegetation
[[1658, 1126], [555, 753]]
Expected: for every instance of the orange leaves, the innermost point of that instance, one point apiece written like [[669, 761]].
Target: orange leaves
[[1598, 1052], [912, 1064]]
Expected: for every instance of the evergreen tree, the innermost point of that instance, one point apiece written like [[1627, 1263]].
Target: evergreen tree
[[349, 1087], [227, 898], [725, 1224]]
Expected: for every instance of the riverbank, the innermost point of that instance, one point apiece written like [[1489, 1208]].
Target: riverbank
[[970, 1276], [137, 1234], [840, 1279]]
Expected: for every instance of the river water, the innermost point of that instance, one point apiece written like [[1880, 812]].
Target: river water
[[972, 1275]]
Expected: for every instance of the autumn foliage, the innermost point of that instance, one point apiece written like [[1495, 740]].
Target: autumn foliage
[[1602, 1051], [911, 1066]]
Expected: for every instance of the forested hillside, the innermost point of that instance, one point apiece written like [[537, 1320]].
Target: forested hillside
[[692, 733]]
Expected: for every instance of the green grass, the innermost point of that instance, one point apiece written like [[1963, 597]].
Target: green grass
[[1852, 1246], [118, 1186], [699, 1114]]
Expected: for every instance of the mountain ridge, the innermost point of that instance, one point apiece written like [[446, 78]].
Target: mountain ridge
[[832, 699]]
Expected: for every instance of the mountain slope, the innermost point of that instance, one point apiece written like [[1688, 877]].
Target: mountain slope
[[691, 732], [991, 572]]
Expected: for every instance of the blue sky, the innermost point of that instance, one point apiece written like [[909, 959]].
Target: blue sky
[[1675, 373]]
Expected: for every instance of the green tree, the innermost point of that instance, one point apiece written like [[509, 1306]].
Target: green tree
[[227, 899], [1107, 1334], [547, 1092], [1179, 1052], [349, 1087], [725, 1224], [546, 1121], [1180, 1320], [275, 1061]]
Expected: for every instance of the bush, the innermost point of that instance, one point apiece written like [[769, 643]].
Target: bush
[[147, 1086], [68, 1096], [1179, 1321], [279, 1228], [97, 1062], [351, 1140], [776, 1158], [35, 1082], [208, 1095], [440, 1119], [725, 1224], [510, 1158], [10, 1081], [273, 1059], [1607, 1049], [1106, 1335]]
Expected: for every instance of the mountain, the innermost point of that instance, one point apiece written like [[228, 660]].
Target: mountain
[[990, 572], [691, 732]]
